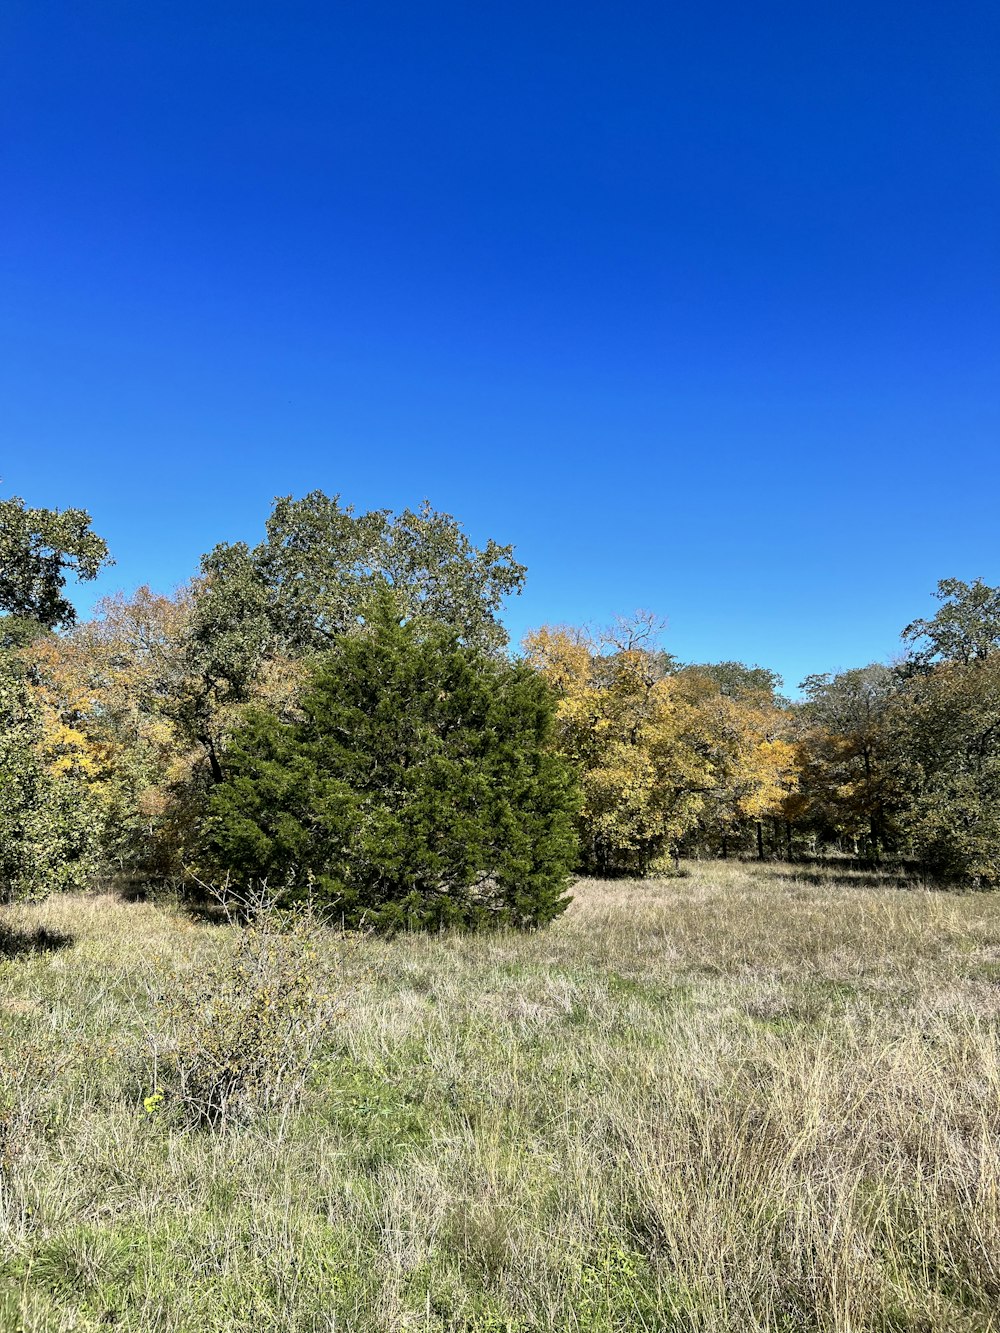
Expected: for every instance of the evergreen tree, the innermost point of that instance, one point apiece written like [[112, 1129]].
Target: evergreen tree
[[414, 787]]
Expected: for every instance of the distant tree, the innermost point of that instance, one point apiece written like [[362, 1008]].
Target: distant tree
[[416, 787], [736, 680], [128, 700], [850, 759], [50, 823], [633, 737], [106, 691], [38, 548], [949, 735], [743, 730], [908, 758]]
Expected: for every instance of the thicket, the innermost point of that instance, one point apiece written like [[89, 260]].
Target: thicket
[[336, 709]]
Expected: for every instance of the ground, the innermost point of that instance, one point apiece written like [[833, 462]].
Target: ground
[[745, 1098]]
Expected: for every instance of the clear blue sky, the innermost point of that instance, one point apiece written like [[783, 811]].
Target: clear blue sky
[[697, 304]]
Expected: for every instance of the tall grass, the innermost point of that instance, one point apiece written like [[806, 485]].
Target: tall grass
[[743, 1099]]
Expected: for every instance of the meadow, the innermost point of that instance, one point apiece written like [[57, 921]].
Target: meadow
[[743, 1098]]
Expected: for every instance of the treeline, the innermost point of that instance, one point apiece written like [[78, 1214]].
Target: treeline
[[336, 710]]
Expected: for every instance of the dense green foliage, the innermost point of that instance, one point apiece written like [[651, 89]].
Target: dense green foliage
[[321, 568], [948, 748], [416, 787], [37, 548]]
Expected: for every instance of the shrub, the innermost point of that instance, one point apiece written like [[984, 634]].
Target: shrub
[[417, 787], [236, 1040]]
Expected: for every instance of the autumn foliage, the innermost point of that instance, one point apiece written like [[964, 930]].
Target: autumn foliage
[[667, 756], [128, 740]]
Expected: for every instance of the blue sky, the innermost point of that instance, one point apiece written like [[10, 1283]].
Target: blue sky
[[696, 304]]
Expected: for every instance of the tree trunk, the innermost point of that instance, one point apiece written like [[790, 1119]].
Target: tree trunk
[[213, 759]]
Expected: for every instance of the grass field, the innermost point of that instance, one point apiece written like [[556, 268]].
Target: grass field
[[746, 1098]]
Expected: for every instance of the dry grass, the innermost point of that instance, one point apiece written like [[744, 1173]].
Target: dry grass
[[741, 1100]]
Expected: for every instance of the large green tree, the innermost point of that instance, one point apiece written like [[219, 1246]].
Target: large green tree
[[316, 577], [966, 627], [38, 549], [950, 733], [416, 786], [321, 567], [950, 730]]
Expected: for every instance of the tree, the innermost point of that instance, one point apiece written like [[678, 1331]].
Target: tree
[[743, 731], [628, 729], [316, 577], [965, 629], [949, 738], [849, 754], [38, 547], [949, 734], [107, 691], [128, 700], [49, 821], [736, 680], [416, 787], [321, 568]]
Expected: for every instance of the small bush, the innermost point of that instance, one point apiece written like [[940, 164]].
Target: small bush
[[236, 1040]]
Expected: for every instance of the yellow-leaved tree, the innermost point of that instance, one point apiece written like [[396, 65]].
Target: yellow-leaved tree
[[634, 737], [131, 709], [745, 731]]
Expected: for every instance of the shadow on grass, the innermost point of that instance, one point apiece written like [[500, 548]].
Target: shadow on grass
[[849, 877], [204, 912], [17, 943], [135, 890], [200, 907]]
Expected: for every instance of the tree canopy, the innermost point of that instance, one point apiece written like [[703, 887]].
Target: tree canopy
[[334, 708], [321, 568], [38, 549], [965, 629]]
